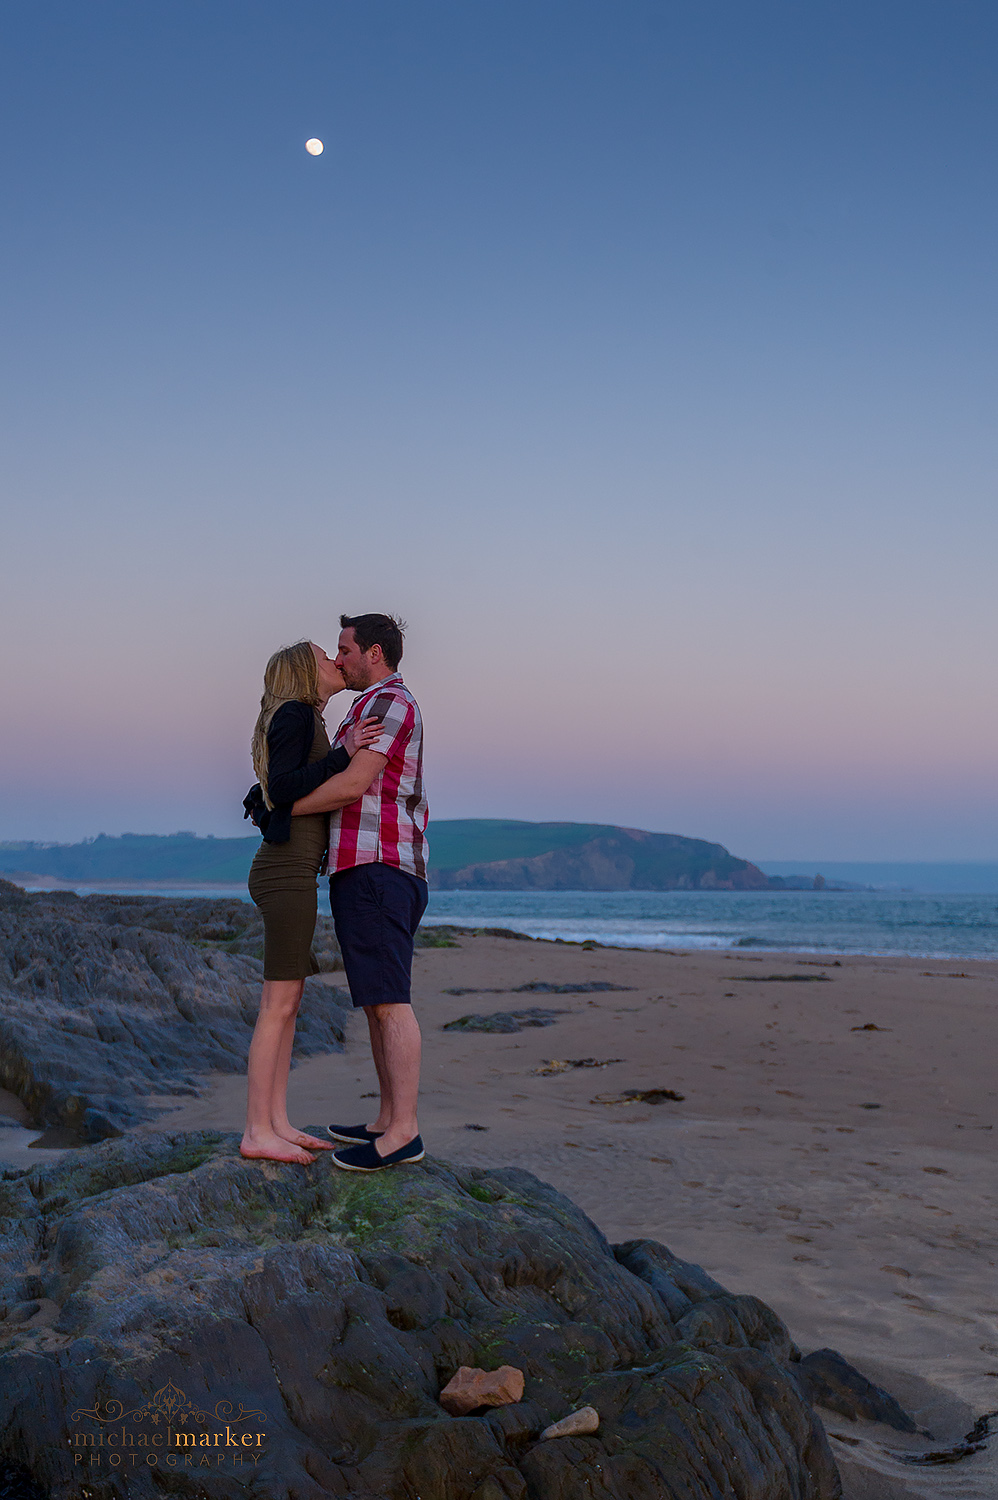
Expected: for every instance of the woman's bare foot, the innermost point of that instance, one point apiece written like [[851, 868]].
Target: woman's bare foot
[[299, 1138], [273, 1148]]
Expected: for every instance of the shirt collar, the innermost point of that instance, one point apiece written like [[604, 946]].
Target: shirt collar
[[396, 677]]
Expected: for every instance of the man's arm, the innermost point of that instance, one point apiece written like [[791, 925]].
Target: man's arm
[[344, 788]]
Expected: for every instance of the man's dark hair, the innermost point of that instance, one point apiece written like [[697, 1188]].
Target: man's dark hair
[[377, 630]]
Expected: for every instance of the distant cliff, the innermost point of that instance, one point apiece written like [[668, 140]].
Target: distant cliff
[[616, 859]]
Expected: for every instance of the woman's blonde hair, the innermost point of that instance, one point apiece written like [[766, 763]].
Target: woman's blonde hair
[[291, 676]]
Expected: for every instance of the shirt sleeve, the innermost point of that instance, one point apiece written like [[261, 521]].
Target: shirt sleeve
[[289, 740], [398, 719]]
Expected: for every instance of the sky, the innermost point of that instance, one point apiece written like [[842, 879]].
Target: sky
[[640, 354]]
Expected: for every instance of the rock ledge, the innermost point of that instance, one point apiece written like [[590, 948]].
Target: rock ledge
[[161, 1284]]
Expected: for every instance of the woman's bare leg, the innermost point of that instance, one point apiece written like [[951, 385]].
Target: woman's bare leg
[[279, 1099], [278, 1009]]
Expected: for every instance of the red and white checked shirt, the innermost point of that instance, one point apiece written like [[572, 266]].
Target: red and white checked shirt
[[388, 824]]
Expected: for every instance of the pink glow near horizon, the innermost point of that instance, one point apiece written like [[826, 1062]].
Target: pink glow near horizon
[[771, 762]]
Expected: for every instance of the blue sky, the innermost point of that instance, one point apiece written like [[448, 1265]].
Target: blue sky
[[641, 355]]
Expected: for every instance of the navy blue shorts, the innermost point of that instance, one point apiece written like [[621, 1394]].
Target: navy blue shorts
[[376, 909]]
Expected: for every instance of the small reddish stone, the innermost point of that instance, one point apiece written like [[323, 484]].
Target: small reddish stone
[[471, 1388]]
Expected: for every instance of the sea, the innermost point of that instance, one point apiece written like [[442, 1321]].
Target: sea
[[891, 923], [913, 925]]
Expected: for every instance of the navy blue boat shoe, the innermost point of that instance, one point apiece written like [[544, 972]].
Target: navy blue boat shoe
[[366, 1159], [353, 1135]]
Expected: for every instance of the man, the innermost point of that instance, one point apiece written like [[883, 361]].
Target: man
[[377, 882]]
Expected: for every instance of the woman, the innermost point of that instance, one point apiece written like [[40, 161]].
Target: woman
[[291, 757]]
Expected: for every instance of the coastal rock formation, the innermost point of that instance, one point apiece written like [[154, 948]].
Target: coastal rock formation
[[830, 1381], [622, 859], [107, 1000], [181, 1321]]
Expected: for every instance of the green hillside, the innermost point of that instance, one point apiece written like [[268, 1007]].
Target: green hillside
[[135, 856], [473, 841]]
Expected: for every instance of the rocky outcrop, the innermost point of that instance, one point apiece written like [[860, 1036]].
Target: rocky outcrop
[[181, 1321], [830, 1381], [105, 1001], [623, 859]]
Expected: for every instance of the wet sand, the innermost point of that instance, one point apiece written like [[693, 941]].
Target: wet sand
[[872, 1230]]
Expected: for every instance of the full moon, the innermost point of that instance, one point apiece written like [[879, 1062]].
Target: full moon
[[313, 147]]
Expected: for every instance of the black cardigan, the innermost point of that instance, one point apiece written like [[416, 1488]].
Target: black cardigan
[[289, 775]]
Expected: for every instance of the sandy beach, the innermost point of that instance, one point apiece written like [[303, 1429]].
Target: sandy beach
[[870, 1230]]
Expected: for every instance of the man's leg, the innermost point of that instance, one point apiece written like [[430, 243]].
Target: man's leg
[[384, 1119], [401, 1050]]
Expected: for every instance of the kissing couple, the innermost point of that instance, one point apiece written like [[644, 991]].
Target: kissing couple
[[357, 810]]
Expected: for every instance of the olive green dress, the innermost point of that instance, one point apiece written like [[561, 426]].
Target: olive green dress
[[282, 882]]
